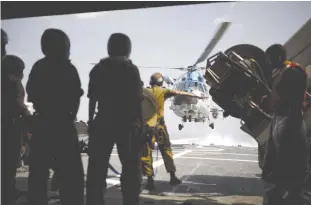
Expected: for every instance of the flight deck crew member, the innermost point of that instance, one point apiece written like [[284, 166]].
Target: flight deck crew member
[[285, 160], [54, 88], [162, 136], [115, 85], [13, 112]]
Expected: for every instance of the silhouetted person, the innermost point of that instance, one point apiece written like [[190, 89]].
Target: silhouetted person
[[116, 86], [54, 88], [276, 56], [13, 110], [285, 160]]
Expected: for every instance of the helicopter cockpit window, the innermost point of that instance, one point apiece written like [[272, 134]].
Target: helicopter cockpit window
[[196, 86], [180, 86]]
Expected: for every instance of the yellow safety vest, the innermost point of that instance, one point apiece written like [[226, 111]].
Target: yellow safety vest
[[160, 96], [149, 108]]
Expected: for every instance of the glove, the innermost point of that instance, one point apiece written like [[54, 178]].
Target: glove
[[202, 97]]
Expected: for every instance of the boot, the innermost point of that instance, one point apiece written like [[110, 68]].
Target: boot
[[174, 180], [150, 186]]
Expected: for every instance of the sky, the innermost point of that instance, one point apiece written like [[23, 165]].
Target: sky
[[166, 36]]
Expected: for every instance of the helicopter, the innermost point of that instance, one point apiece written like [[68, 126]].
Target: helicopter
[[193, 109]]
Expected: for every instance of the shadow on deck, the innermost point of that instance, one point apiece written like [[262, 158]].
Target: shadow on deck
[[195, 190]]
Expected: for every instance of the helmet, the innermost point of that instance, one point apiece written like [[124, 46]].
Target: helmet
[[156, 79], [13, 65], [55, 42], [119, 44], [276, 55]]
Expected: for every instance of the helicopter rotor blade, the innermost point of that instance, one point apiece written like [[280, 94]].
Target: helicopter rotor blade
[[158, 67], [218, 35]]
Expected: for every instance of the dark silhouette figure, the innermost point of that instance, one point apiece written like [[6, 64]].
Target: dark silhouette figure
[[285, 160], [54, 88], [115, 85], [13, 114]]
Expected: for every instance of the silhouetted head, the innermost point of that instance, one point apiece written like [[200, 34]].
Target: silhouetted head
[[276, 56], [156, 79], [292, 86], [55, 43], [4, 42], [119, 44], [14, 66]]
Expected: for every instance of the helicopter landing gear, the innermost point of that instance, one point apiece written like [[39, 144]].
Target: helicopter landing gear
[[185, 119], [180, 126], [211, 125]]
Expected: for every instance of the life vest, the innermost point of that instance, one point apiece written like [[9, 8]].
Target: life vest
[[290, 64], [149, 108], [274, 97]]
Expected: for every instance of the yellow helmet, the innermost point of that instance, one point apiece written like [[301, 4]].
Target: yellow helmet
[[156, 79]]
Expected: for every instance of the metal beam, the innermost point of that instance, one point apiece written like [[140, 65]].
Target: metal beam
[[299, 45], [23, 9]]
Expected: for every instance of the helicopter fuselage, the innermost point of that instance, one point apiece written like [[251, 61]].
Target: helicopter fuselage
[[197, 111], [190, 108]]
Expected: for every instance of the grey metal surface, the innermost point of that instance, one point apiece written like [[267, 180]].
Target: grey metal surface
[[212, 175], [299, 45]]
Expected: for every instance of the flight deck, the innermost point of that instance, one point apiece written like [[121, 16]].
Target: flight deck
[[211, 175]]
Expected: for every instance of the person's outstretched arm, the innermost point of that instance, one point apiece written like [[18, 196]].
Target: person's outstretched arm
[[170, 93]]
